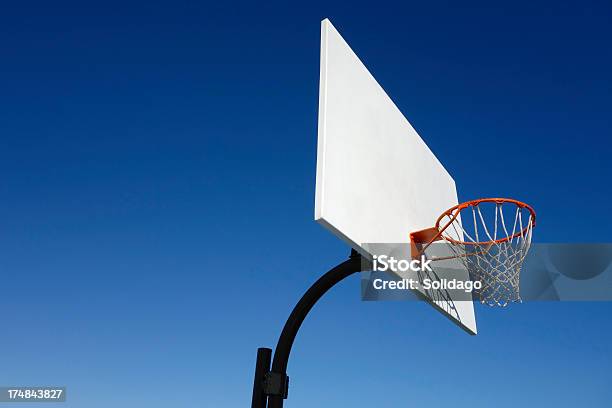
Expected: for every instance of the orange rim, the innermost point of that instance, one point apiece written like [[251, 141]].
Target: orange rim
[[454, 212]]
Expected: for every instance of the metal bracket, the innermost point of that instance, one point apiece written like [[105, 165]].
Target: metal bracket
[[276, 384]]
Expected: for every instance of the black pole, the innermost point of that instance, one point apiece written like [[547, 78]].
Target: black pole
[[276, 382], [262, 366]]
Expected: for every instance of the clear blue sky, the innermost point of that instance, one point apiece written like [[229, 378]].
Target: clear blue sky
[[157, 167]]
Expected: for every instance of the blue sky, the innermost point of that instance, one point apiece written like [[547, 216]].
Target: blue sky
[[157, 170]]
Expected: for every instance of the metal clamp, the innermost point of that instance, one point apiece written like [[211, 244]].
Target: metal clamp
[[276, 384]]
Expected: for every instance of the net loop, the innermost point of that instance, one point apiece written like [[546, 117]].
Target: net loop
[[490, 252]]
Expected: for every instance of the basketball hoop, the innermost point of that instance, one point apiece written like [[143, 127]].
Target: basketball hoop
[[491, 247]]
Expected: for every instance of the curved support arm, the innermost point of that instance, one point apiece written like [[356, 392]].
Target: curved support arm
[[299, 313]]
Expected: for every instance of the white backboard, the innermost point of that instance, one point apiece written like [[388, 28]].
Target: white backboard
[[377, 180]]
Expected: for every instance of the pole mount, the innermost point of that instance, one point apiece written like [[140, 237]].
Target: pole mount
[[276, 384]]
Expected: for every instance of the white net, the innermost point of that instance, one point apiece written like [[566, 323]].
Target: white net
[[491, 246]]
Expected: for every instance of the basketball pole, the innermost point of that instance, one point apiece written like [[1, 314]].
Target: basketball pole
[[270, 386]]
